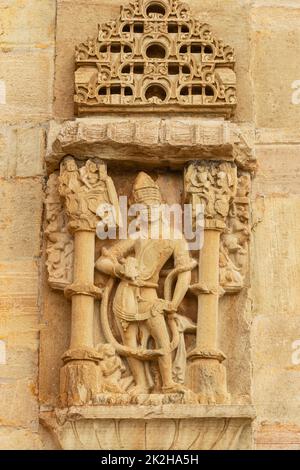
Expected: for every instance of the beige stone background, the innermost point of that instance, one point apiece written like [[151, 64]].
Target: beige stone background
[[37, 39]]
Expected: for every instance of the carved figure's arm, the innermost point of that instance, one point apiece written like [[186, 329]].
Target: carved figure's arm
[[182, 286], [109, 262], [182, 258]]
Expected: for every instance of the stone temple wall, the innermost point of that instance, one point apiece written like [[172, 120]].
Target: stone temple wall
[[37, 41]]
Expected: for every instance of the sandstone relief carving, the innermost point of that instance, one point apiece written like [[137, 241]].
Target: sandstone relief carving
[[83, 188], [152, 303], [60, 245], [156, 56], [145, 351], [144, 357], [150, 356], [225, 196], [141, 315], [234, 250], [213, 186]]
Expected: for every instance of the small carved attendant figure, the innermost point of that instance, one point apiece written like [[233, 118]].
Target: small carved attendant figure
[[70, 185], [70, 175], [90, 174], [112, 368], [141, 315], [203, 182]]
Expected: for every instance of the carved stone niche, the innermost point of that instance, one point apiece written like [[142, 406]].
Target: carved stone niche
[[148, 333]]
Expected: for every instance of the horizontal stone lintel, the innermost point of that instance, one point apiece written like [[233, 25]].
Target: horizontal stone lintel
[[246, 412], [149, 142]]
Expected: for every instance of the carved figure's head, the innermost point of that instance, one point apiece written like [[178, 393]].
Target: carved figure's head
[[146, 191], [107, 350], [91, 166], [69, 164]]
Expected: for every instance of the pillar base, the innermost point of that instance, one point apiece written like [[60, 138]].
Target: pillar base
[[207, 377], [80, 382]]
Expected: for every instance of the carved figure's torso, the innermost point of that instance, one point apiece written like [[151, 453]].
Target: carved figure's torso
[[134, 299]]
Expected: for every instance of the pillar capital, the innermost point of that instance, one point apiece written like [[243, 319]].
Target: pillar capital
[[210, 187], [83, 188]]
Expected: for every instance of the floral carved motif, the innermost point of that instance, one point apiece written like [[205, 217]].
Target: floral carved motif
[[155, 56]]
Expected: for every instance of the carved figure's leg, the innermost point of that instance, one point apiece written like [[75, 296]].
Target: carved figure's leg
[[158, 329], [144, 334], [137, 367]]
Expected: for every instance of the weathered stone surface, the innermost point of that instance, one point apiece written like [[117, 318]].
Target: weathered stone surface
[[28, 75], [272, 177], [19, 406], [275, 308], [231, 21], [55, 326], [19, 318], [277, 437], [69, 32], [16, 438], [22, 150], [149, 142], [27, 31], [274, 32], [20, 218], [29, 22], [128, 428], [4, 149]]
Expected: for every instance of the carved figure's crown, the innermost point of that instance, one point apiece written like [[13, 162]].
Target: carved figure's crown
[[145, 190]]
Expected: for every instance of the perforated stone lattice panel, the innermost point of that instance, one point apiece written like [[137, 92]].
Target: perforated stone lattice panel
[[155, 57]]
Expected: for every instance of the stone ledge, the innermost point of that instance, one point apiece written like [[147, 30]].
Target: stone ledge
[[157, 412], [149, 142], [189, 427]]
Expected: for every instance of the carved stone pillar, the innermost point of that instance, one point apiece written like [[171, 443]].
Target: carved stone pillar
[[83, 291], [83, 190], [212, 186]]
